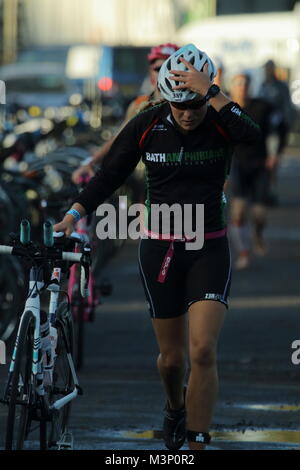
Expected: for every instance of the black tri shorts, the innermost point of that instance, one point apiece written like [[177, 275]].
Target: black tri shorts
[[174, 278], [252, 185]]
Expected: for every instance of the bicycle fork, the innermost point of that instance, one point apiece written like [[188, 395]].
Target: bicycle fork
[[33, 305], [54, 288]]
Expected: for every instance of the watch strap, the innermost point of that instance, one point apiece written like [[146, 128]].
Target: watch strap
[[213, 91]]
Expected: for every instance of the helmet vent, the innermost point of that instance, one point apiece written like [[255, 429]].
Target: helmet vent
[[196, 58], [169, 85]]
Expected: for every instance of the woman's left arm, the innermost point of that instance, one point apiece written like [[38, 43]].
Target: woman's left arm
[[240, 126]]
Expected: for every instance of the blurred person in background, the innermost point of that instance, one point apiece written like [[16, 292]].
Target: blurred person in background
[[251, 174], [277, 93], [156, 57], [219, 78]]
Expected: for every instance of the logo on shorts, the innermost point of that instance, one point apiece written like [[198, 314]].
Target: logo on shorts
[[213, 297], [166, 265]]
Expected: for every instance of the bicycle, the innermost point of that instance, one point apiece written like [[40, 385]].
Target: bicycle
[[11, 292], [42, 380], [83, 309]]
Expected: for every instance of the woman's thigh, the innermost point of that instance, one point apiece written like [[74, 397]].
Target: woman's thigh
[[171, 335], [166, 296], [206, 319]]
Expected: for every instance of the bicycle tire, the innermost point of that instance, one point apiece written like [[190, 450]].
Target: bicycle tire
[[77, 306], [79, 327], [62, 375], [17, 429], [11, 286]]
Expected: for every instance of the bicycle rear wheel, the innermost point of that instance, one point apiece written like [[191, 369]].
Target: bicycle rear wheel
[[79, 326], [11, 293], [63, 382], [21, 387]]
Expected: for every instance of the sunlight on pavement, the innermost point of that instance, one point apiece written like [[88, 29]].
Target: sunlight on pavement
[[262, 435]]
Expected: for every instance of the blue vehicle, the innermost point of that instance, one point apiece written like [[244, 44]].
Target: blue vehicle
[[122, 69]]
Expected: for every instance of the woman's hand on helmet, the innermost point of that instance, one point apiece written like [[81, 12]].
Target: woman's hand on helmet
[[198, 82]]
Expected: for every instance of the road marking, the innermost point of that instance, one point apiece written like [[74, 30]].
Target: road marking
[[235, 303], [266, 407], [265, 302], [260, 435], [277, 233]]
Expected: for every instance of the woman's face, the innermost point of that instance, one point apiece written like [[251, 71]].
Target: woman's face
[[188, 119]]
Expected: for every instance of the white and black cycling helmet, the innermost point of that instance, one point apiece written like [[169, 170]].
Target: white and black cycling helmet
[[191, 54]]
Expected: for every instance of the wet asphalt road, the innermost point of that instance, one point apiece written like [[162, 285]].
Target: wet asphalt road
[[259, 400]]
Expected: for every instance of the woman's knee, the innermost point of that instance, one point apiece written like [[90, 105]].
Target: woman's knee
[[172, 360], [203, 355]]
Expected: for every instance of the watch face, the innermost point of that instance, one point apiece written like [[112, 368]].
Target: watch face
[[214, 90]]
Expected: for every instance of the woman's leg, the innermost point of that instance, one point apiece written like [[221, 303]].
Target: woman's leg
[[240, 231], [171, 335], [205, 322], [259, 215]]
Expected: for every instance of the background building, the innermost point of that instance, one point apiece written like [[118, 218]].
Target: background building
[[230, 7], [25, 23], [135, 22], [12, 23]]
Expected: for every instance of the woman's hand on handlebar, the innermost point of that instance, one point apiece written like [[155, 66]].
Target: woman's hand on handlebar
[[67, 225]]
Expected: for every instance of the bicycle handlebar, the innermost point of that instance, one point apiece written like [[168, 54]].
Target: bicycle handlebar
[[65, 255], [25, 232], [6, 250], [68, 256], [48, 239], [48, 234]]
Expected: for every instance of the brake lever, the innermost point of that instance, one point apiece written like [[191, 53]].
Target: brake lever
[[85, 265]]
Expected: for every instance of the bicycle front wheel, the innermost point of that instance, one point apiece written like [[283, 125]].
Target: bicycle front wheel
[[21, 389], [63, 382]]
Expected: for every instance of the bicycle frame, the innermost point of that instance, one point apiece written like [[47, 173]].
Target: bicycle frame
[[36, 283], [83, 229]]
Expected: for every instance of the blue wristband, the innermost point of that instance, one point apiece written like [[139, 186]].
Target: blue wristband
[[75, 214]]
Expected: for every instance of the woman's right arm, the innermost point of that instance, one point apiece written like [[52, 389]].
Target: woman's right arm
[[117, 165], [67, 225]]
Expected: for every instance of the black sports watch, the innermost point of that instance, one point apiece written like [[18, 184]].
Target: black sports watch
[[213, 91]]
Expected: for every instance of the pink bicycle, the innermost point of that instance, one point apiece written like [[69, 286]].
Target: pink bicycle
[[83, 309]]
